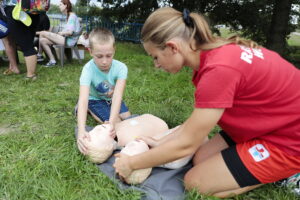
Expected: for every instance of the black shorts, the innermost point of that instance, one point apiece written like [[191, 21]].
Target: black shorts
[[3, 17], [235, 165], [22, 34]]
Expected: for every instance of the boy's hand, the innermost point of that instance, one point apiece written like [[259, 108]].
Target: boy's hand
[[122, 165], [82, 137], [112, 129]]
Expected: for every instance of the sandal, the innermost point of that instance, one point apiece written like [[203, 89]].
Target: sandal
[[32, 78], [9, 72]]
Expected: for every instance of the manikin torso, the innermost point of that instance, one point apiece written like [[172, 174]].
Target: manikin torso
[[127, 131], [143, 125]]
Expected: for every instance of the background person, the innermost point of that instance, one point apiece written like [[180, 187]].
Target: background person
[[44, 25], [9, 45], [102, 84], [48, 38], [250, 92], [23, 36]]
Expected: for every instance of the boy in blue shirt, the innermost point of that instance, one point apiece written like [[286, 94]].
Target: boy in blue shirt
[[102, 84]]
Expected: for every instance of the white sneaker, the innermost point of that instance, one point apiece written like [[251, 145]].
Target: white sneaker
[[50, 64]]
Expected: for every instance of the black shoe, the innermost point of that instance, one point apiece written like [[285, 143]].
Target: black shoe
[[40, 58]]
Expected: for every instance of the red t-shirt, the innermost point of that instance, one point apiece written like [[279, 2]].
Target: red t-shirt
[[259, 90]]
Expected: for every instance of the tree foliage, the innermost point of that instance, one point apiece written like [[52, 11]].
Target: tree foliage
[[266, 21]]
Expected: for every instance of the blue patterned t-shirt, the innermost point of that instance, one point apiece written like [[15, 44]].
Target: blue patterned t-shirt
[[101, 82]]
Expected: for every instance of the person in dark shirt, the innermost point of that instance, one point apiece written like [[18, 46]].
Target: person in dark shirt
[[44, 25]]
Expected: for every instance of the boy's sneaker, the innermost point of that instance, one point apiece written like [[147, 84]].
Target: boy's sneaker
[[40, 58], [50, 64]]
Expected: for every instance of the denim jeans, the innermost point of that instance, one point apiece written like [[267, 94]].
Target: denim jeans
[[101, 108]]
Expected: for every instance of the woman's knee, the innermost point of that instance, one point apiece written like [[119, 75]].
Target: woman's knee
[[193, 182]]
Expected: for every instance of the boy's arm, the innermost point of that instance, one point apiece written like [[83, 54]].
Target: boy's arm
[[116, 101], [81, 117]]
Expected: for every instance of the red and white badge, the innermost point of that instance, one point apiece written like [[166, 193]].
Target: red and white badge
[[259, 152]]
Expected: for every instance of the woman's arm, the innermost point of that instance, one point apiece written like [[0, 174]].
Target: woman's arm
[[81, 117], [185, 141], [70, 27], [116, 101]]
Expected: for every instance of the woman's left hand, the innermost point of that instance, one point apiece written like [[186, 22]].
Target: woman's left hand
[[61, 33], [122, 165]]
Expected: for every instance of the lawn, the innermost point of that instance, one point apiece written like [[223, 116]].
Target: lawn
[[38, 154]]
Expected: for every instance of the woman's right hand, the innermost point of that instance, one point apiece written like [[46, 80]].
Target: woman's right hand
[[82, 137]]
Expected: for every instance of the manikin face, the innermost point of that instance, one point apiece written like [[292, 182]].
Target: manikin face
[[169, 59], [103, 55], [101, 144]]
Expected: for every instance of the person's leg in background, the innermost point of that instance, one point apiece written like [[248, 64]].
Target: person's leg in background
[[30, 53], [10, 49], [24, 36], [46, 39]]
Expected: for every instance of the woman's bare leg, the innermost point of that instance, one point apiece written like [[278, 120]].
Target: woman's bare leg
[[210, 174], [45, 44], [10, 49], [48, 38], [31, 62]]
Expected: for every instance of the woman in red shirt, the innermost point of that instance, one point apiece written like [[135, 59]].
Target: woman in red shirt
[[249, 91]]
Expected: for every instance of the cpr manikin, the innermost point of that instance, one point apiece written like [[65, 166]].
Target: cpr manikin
[[133, 148], [127, 131], [101, 145]]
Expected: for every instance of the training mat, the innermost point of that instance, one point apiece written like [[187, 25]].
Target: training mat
[[162, 184]]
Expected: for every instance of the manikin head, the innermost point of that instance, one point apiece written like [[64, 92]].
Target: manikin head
[[133, 148], [101, 145]]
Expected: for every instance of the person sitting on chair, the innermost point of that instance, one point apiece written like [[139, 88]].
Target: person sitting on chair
[[66, 36], [43, 25]]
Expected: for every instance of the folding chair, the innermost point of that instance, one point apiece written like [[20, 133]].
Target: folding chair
[[65, 46]]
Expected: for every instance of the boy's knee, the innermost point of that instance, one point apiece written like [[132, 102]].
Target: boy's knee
[[125, 115]]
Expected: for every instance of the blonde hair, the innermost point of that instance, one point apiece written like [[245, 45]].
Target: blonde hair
[[98, 155], [167, 23], [101, 36]]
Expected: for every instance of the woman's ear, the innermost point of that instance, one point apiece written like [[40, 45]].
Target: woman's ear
[[173, 45]]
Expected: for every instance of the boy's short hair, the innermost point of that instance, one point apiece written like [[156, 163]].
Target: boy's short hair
[[100, 36]]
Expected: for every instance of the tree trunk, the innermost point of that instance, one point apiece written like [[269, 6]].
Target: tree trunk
[[276, 39]]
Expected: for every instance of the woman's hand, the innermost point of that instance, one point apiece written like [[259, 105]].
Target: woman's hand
[[61, 33], [82, 137], [122, 165]]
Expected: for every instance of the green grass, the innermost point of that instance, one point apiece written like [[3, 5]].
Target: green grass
[[38, 154]]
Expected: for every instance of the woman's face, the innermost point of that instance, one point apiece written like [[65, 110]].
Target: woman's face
[[168, 59], [62, 7]]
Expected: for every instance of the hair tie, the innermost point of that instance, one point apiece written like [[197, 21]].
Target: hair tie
[[186, 18]]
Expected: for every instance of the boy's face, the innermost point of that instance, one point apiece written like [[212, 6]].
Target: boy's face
[[103, 55]]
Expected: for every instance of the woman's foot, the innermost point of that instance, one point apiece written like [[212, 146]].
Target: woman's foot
[[11, 71], [31, 78]]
